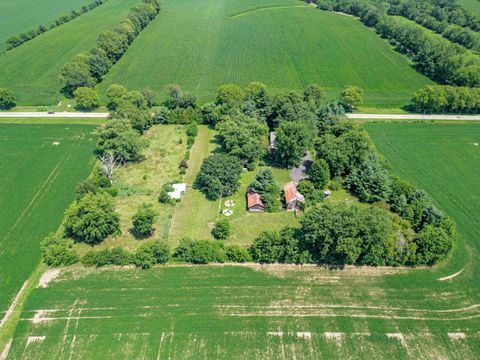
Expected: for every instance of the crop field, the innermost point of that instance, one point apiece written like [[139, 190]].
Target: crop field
[[40, 165], [284, 43], [472, 5], [31, 70], [18, 16], [283, 312]]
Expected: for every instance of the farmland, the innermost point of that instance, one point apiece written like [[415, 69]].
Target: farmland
[[472, 5], [18, 16], [31, 71], [275, 311], [284, 43], [38, 180]]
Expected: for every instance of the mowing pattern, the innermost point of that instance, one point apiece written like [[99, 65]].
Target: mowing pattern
[[37, 180], [287, 45], [281, 312], [237, 313], [19, 16], [31, 70]]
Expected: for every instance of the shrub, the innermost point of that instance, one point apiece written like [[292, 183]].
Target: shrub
[[283, 247], [236, 253], [152, 253], [200, 252], [163, 197], [222, 229], [57, 251], [91, 219], [7, 100], [351, 97], [114, 256], [144, 219], [86, 98]]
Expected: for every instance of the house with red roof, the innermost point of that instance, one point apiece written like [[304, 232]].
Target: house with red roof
[[293, 198], [254, 202]]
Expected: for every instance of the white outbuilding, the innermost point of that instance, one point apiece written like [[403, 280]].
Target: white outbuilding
[[178, 191]]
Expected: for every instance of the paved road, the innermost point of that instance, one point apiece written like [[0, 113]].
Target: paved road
[[351, 116], [414, 117], [54, 115]]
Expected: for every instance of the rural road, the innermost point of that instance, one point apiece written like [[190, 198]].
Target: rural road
[[350, 116]]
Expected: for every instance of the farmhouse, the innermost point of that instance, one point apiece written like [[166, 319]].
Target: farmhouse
[[178, 191], [254, 202], [292, 197]]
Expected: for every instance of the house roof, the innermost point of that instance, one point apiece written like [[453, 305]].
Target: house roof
[[254, 199], [291, 193], [178, 190]]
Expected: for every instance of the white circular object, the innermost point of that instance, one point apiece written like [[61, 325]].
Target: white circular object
[[227, 212]]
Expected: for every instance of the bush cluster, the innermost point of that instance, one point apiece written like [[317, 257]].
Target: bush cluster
[[17, 40]]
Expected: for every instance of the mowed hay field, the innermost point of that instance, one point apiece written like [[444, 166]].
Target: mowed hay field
[[18, 16], [284, 312], [284, 43], [37, 184], [31, 70]]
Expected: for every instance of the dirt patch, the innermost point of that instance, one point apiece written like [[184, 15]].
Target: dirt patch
[[35, 339], [456, 335], [450, 277], [275, 333], [304, 334], [335, 336], [39, 317], [399, 337], [48, 276], [4, 354]]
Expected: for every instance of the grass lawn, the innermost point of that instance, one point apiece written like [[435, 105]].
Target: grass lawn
[[141, 182], [31, 70], [18, 16], [37, 184], [39, 121], [284, 43], [195, 215]]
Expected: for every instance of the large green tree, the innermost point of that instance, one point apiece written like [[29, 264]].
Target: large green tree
[[293, 139], [219, 176], [86, 98], [7, 100], [92, 219]]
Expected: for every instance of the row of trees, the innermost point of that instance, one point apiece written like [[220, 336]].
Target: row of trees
[[434, 56], [17, 40], [87, 69], [450, 99]]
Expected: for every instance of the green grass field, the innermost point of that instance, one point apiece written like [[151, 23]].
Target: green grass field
[[278, 312], [472, 5], [141, 182], [284, 43], [37, 183], [31, 70], [18, 16]]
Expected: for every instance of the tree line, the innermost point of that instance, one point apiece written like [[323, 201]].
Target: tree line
[[447, 99], [87, 69], [434, 56], [17, 40]]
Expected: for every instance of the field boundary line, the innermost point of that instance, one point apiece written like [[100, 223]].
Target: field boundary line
[[62, 114], [414, 117], [449, 277]]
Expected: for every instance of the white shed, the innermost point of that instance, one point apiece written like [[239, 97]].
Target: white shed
[[178, 191]]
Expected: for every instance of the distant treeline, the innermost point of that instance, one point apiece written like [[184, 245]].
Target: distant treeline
[[87, 69], [447, 99], [436, 57], [18, 40]]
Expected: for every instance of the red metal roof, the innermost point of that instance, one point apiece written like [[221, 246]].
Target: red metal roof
[[290, 190], [254, 199]]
